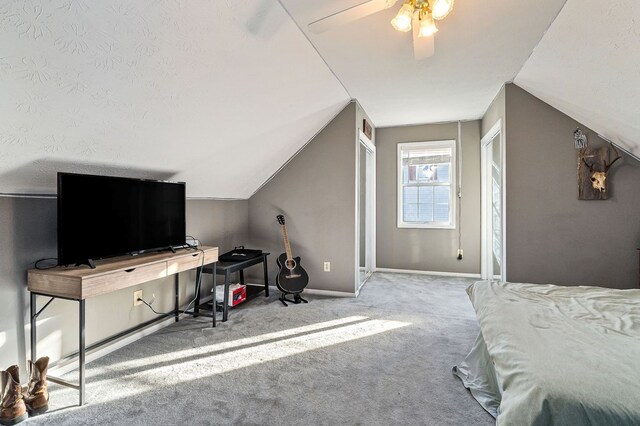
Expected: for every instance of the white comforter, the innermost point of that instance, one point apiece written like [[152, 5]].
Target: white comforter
[[556, 355]]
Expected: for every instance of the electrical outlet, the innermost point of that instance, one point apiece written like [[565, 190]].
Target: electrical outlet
[[460, 254], [137, 295], [327, 266]]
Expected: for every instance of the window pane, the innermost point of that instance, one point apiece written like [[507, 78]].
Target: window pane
[[426, 194], [410, 194], [410, 212], [497, 198], [443, 173], [441, 203], [425, 212]]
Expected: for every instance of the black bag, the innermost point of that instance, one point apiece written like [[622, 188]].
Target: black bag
[[239, 254]]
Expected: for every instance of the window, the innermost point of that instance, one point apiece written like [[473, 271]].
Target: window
[[426, 184]]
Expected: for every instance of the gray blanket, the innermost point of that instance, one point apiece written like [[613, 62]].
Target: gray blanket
[[555, 355]]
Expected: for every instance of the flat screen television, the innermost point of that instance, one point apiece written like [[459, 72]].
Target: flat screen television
[[104, 216]]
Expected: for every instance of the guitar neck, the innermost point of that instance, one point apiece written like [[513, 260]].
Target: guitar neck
[[287, 246]]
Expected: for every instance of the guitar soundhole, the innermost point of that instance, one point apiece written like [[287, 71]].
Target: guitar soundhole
[[291, 264]]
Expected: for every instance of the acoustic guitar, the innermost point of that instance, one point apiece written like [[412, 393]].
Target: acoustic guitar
[[292, 278]]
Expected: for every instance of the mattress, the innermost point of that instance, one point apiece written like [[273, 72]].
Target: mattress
[[550, 355]]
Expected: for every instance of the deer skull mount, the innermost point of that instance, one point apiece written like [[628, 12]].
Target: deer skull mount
[[598, 180], [598, 170]]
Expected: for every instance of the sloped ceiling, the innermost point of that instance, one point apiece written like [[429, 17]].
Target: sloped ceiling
[[480, 46], [215, 93], [588, 66], [221, 93]]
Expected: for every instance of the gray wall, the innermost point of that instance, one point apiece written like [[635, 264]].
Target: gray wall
[[316, 193], [221, 223], [496, 111], [552, 237], [428, 249], [28, 230]]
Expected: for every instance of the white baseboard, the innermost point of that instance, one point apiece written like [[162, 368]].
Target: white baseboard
[[329, 293], [72, 364], [313, 291], [436, 273]]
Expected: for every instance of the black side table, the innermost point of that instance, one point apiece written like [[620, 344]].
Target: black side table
[[226, 269]]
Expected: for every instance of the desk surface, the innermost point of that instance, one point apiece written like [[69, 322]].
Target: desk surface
[[81, 282]]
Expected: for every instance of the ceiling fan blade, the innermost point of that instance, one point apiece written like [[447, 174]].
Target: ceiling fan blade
[[349, 15], [423, 47]]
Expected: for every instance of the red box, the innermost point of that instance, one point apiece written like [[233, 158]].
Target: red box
[[237, 294]]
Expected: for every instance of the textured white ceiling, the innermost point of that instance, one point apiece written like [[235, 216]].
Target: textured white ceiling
[[221, 93], [588, 66], [215, 93], [480, 45]]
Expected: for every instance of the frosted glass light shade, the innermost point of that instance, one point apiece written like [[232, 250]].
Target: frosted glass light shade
[[441, 8], [427, 26], [402, 21]]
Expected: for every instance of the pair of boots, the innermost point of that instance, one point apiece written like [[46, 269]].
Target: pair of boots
[[16, 406]]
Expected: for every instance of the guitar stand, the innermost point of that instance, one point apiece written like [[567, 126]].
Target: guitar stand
[[296, 299]]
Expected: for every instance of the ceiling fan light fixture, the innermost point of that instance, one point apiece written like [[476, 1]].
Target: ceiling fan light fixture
[[441, 8], [402, 21], [427, 26]]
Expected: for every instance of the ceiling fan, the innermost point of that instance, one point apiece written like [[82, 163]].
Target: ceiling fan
[[419, 15]]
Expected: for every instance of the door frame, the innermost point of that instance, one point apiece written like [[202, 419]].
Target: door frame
[[364, 140], [485, 242]]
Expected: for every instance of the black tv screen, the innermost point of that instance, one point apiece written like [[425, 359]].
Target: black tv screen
[[103, 216]]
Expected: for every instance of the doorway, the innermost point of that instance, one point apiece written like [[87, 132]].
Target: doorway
[[365, 211], [493, 265]]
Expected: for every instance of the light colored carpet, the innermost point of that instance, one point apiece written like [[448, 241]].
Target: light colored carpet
[[383, 358]]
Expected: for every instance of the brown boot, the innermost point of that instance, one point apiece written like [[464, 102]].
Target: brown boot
[[37, 396], [13, 409]]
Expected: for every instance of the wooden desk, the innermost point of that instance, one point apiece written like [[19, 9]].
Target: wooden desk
[[81, 282]]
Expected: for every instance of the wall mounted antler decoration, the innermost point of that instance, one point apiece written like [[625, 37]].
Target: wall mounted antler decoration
[[593, 168]]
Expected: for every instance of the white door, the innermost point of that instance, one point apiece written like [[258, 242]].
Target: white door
[[492, 175], [365, 211]]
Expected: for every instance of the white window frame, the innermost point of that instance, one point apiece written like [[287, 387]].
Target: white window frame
[[451, 223]]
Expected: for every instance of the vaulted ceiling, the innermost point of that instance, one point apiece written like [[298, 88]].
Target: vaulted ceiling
[[479, 46], [588, 66], [215, 93], [220, 94]]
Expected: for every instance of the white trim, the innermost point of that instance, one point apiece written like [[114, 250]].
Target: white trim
[[356, 217], [435, 273], [331, 293], [318, 292], [374, 208], [492, 133], [366, 141], [362, 139], [453, 189], [503, 153], [496, 129], [483, 209]]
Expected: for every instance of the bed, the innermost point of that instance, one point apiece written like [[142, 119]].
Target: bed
[[555, 355]]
